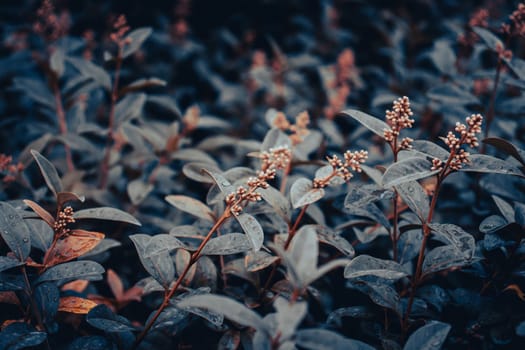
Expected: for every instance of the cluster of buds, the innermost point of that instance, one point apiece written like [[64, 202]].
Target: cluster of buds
[[517, 22], [298, 131], [272, 160], [502, 53], [191, 118], [478, 19], [8, 169], [466, 135], [397, 119], [64, 217], [120, 28], [49, 25], [343, 169]]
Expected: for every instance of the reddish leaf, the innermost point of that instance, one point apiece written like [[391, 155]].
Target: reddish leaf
[[76, 305], [78, 286], [115, 284], [44, 214], [76, 244]]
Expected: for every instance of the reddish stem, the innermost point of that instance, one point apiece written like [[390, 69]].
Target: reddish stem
[[62, 122]]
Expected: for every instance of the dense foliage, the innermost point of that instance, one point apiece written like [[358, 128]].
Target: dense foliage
[[278, 175]]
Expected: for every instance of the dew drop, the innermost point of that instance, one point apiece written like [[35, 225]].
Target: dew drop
[[25, 240]]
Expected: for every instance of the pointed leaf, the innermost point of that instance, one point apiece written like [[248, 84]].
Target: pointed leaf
[[91, 70], [289, 316], [74, 245], [415, 197], [76, 305], [455, 236], [106, 213], [138, 190], [429, 337], [430, 149], [364, 265], [376, 125], [134, 40], [324, 269], [507, 147], [192, 206], [230, 308], [253, 230], [101, 317], [49, 172], [488, 38], [505, 208], [130, 107], [406, 170], [277, 200], [14, 231], [304, 250], [231, 243], [88, 270], [44, 214], [483, 163], [444, 257], [302, 193]]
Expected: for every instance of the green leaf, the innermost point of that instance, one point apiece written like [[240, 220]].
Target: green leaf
[[253, 230], [134, 40], [302, 193], [376, 125], [87, 270], [231, 243], [230, 308], [192, 206], [365, 265], [323, 339], [415, 197], [492, 41], [106, 213], [429, 337], [483, 163], [406, 170], [91, 70], [130, 107], [15, 231], [49, 172]]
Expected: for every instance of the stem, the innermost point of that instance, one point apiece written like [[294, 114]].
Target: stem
[[62, 122], [293, 230], [395, 236], [285, 176], [104, 169], [167, 296]]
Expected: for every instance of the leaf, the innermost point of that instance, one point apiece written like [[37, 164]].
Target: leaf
[[194, 171], [192, 206], [380, 293], [230, 340], [134, 40], [364, 265], [94, 342], [505, 208], [443, 258], [138, 190], [76, 305], [41, 234], [450, 94], [323, 339], [289, 316], [483, 163], [253, 230], [104, 245], [415, 197], [75, 244], [88, 270], [326, 236], [10, 282], [91, 70], [154, 254], [302, 193], [406, 170], [324, 269], [256, 261], [304, 250], [46, 297], [64, 197], [49, 172], [56, 62], [430, 149], [130, 107], [492, 224], [14, 231], [429, 337], [36, 90], [231, 243], [7, 263], [224, 185], [106, 213], [376, 125], [455, 236], [277, 201], [230, 308], [20, 335], [101, 317], [492, 41], [507, 147]]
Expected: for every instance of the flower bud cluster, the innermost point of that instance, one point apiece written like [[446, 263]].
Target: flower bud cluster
[[120, 28], [343, 169], [397, 119], [298, 131], [466, 135], [517, 22], [64, 217]]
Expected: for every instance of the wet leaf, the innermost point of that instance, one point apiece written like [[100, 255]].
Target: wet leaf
[[380, 293], [277, 200], [323, 339], [194, 171], [49, 172], [14, 231], [492, 41], [75, 244], [492, 224], [256, 261], [230, 308], [76, 305], [507, 147], [41, 234], [415, 197], [302, 193], [138, 190], [253, 230], [106, 213], [483, 163], [364, 265], [406, 170], [88, 270], [376, 125], [326, 236], [442, 258], [46, 296], [20, 335], [455, 236], [101, 317], [44, 214], [231, 243], [192, 206], [134, 40], [8, 263], [429, 337]]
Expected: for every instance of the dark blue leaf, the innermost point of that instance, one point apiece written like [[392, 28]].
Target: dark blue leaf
[[14, 231], [49, 172], [95, 342], [103, 318], [88, 270], [20, 335], [429, 337], [11, 282], [47, 298]]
